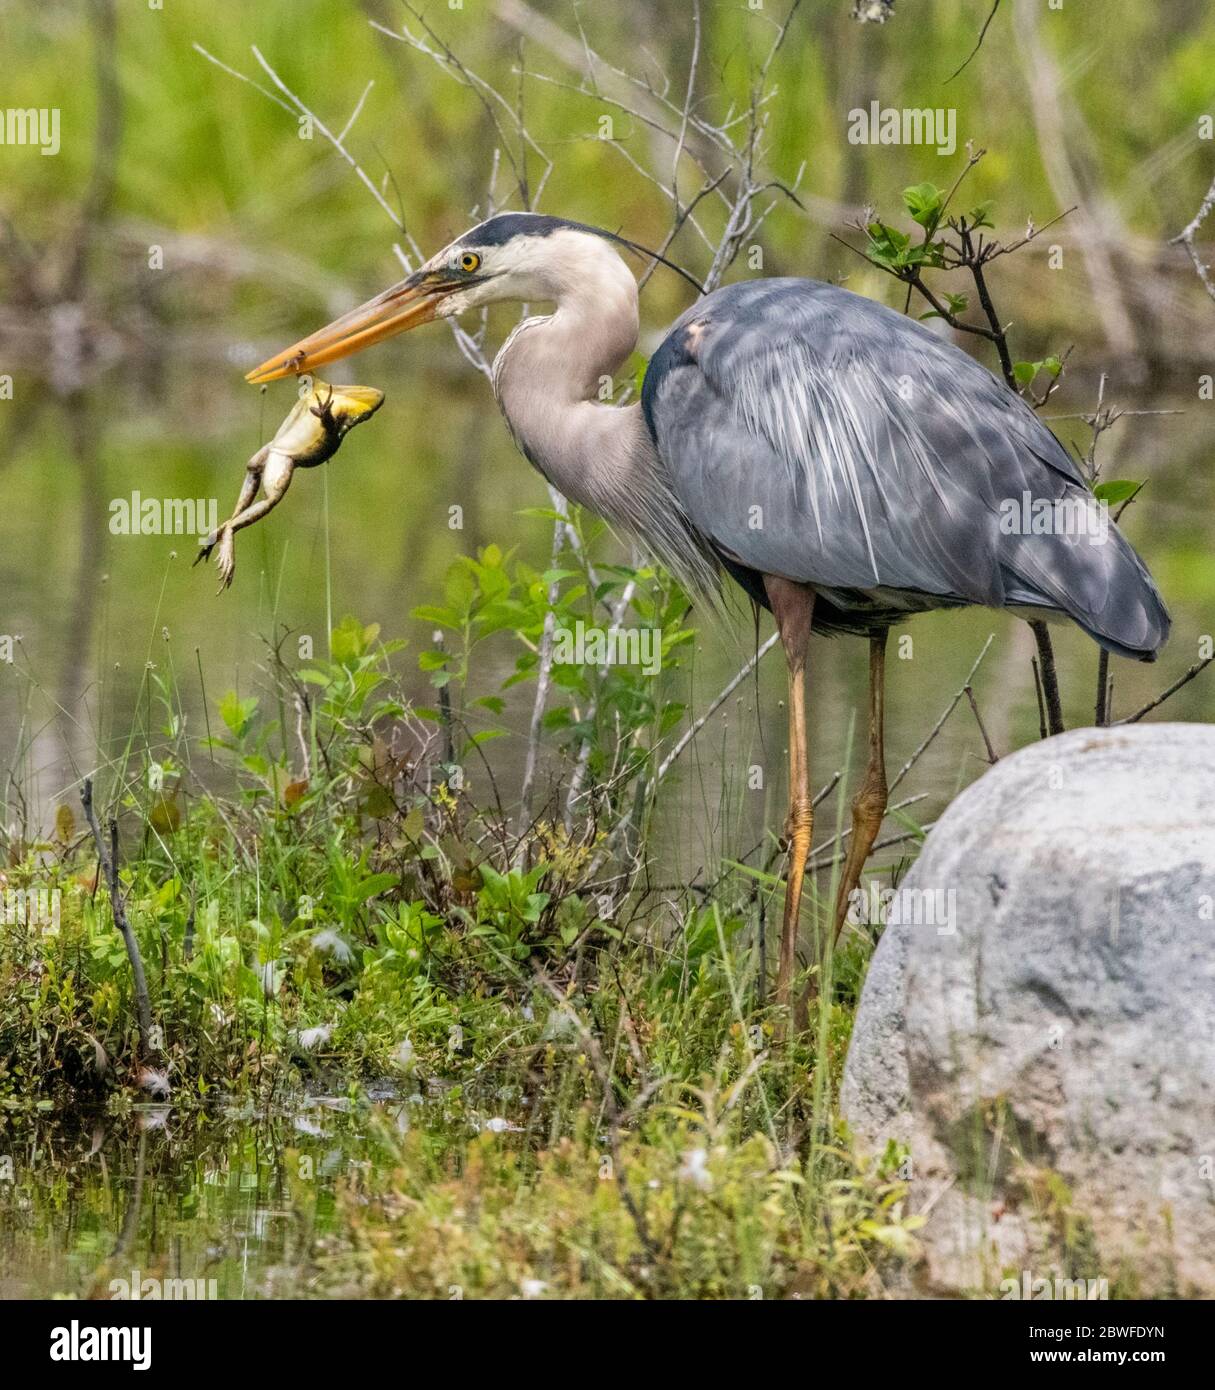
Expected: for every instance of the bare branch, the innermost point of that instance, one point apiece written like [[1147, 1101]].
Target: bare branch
[[949, 709], [109, 871], [978, 41], [1186, 238], [714, 705], [544, 675], [1194, 670]]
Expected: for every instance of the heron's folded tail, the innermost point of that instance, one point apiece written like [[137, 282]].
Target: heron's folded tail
[[1099, 582]]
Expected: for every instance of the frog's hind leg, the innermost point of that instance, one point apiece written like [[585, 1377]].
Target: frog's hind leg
[[248, 491], [275, 479]]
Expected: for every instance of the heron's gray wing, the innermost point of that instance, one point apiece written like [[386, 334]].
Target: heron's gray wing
[[813, 433]]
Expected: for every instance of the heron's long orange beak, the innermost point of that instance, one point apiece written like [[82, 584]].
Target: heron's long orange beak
[[404, 306]]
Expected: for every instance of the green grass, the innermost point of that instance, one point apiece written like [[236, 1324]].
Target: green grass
[[321, 902]]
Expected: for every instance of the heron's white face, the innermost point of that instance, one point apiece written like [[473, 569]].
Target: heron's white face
[[529, 269], [515, 257]]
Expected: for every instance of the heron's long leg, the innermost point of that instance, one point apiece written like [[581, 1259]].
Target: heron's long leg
[[869, 804], [1048, 676], [793, 608]]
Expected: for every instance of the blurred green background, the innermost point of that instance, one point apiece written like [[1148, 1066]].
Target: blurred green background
[[127, 376]]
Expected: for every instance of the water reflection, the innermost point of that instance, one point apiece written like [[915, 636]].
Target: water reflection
[[212, 1205]]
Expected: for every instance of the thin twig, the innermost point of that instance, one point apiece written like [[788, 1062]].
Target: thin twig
[[901, 838], [298, 108], [949, 709], [723, 695], [839, 839], [447, 748], [109, 871], [978, 41], [1186, 238], [992, 756], [544, 675], [1194, 670], [1102, 712]]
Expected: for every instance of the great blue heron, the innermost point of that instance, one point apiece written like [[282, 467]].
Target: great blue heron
[[841, 462]]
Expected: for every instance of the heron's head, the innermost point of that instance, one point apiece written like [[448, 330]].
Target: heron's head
[[516, 256]]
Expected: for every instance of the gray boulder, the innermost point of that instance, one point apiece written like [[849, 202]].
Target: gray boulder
[[1038, 1023]]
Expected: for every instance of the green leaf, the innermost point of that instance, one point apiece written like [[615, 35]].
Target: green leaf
[[1024, 372], [350, 640], [440, 617], [956, 304], [373, 885], [886, 244], [923, 202], [484, 736], [378, 804], [1115, 491], [237, 713]]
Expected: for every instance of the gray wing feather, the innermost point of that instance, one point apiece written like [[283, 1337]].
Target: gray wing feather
[[813, 433]]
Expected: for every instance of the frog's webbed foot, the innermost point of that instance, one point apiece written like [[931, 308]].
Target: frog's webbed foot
[[225, 561]]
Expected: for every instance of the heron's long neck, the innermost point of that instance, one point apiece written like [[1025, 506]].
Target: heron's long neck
[[550, 378]]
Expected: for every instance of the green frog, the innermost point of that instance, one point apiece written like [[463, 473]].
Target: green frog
[[310, 435]]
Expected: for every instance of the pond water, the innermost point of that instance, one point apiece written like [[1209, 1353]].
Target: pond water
[[93, 1206]]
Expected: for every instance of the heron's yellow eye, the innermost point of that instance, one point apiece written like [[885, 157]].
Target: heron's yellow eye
[[469, 262]]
